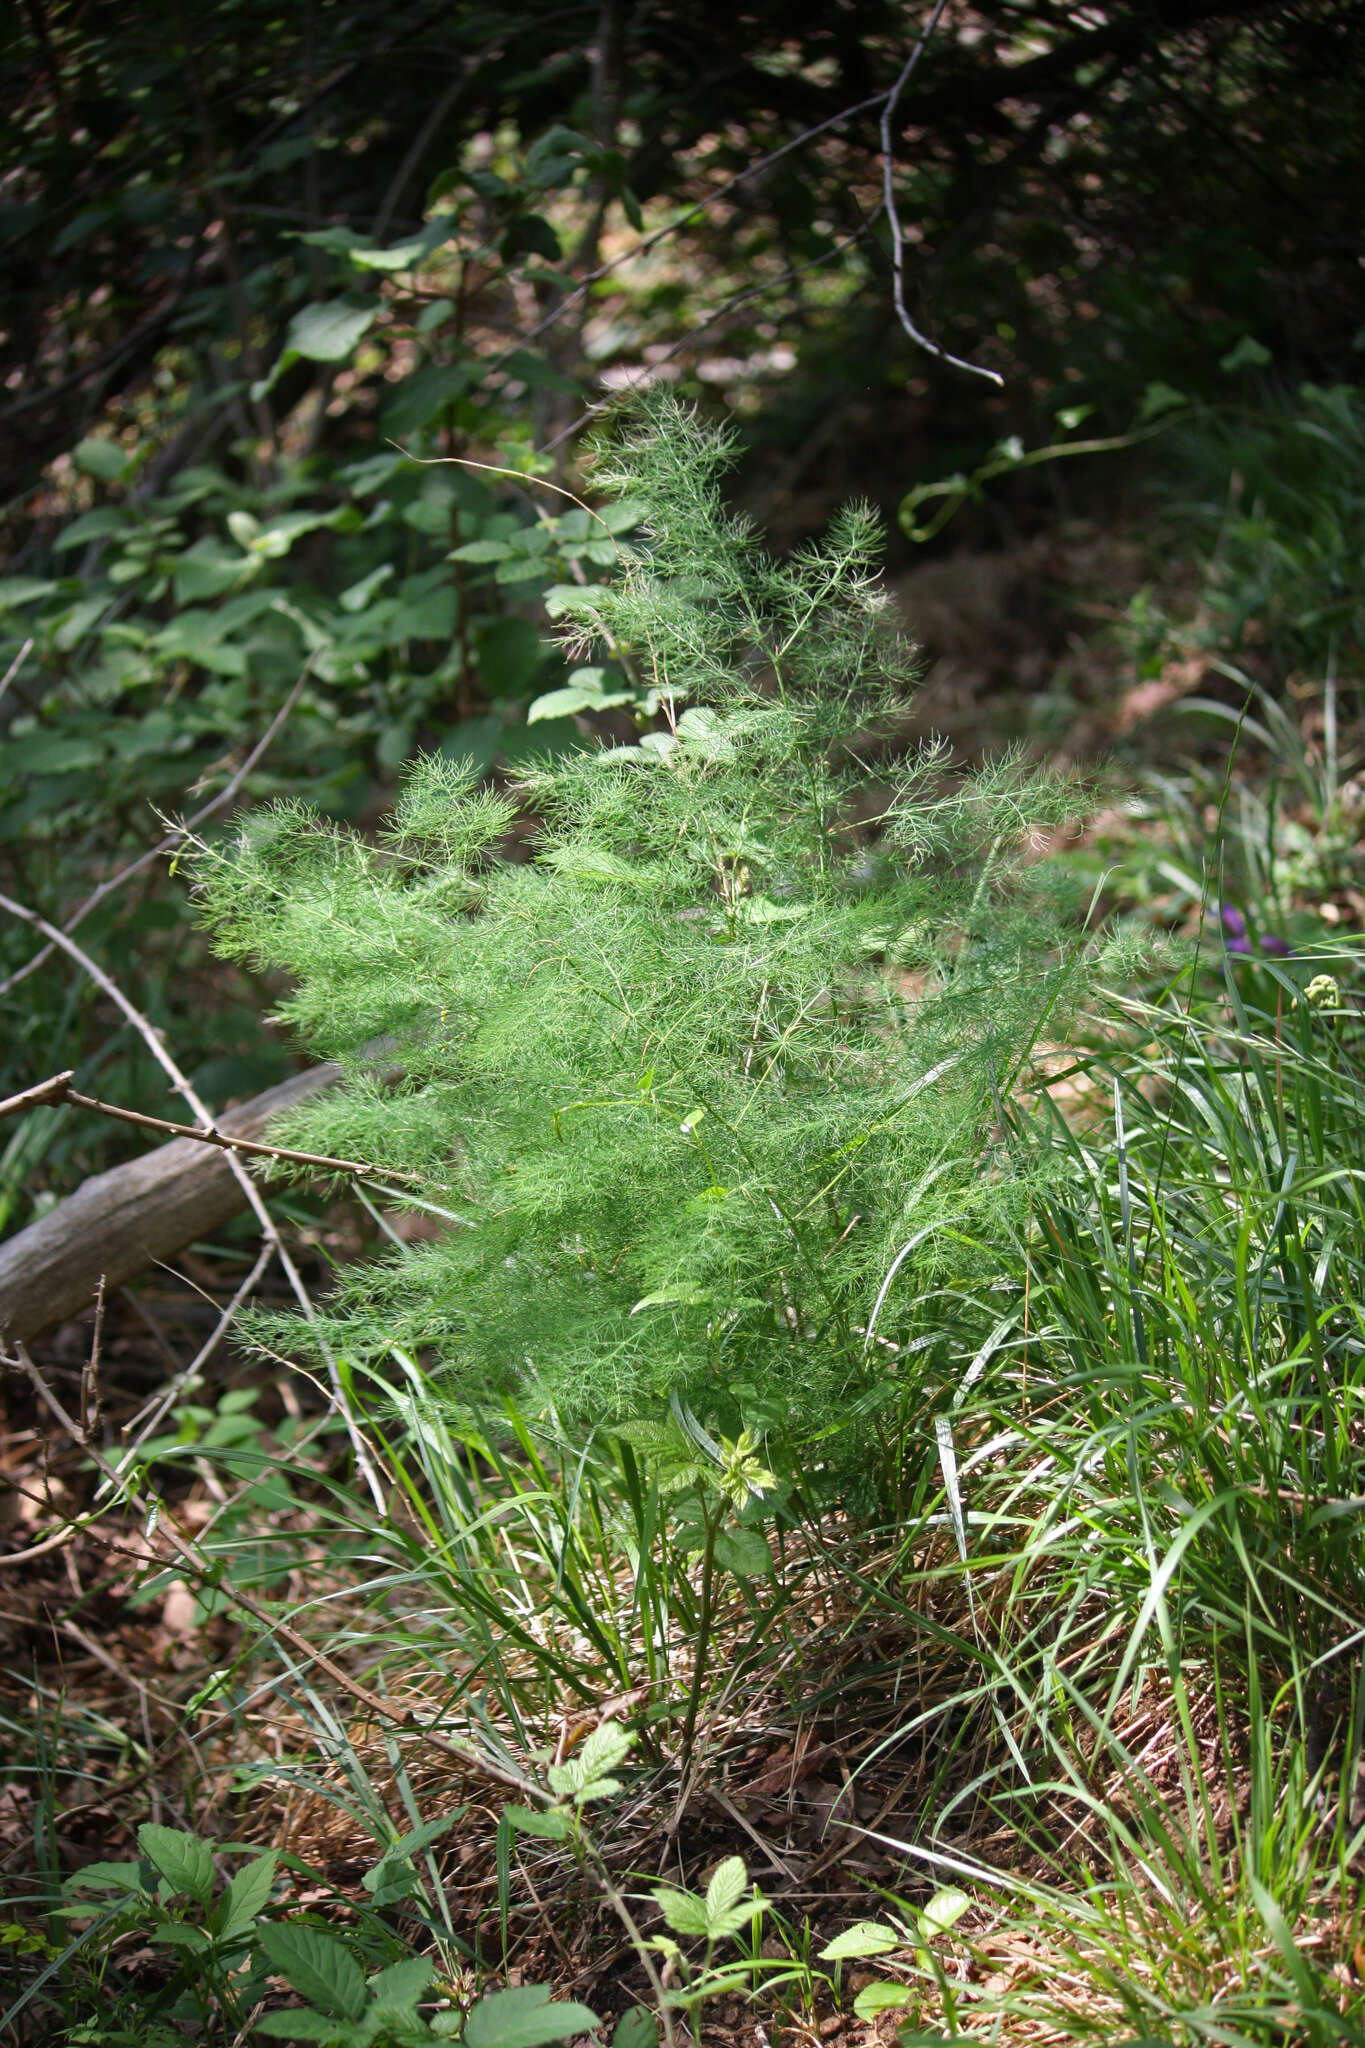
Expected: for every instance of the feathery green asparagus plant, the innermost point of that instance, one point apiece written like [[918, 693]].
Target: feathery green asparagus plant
[[708, 1087]]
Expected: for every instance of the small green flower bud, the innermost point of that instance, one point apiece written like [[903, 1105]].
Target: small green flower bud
[[1323, 993]]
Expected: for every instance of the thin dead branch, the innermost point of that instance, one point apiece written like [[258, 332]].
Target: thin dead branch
[[156, 1045], [59, 1090], [897, 232]]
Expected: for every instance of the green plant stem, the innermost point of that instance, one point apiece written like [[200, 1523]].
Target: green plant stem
[[708, 1576]]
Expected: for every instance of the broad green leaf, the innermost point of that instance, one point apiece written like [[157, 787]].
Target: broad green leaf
[[248, 1895], [17, 590], [760, 909], [302, 2024], [105, 1877], [337, 241], [52, 753], [96, 525], [102, 459], [551, 1826], [178, 1934], [327, 333], [482, 551], [183, 1860], [563, 600], [78, 622], [357, 595], [875, 1998], [864, 1938], [684, 1912], [402, 1983], [586, 690], [637, 2028], [943, 1912], [402, 256], [1249, 354], [518, 568], [324, 333], [567, 1782], [1159, 398], [745, 1553], [318, 1966], [625, 515], [210, 568], [524, 2018], [729, 1882]]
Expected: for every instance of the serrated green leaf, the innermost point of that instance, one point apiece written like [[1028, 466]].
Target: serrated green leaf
[[105, 1877], [625, 515], [684, 1912], [745, 1553], [564, 703], [943, 1912], [876, 1998], [864, 1938], [637, 2028], [319, 1967], [248, 1895], [179, 1934], [525, 2018], [183, 1860], [729, 1882], [402, 1983], [302, 2024], [551, 1826]]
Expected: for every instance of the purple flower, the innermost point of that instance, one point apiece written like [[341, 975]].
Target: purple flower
[[1238, 939]]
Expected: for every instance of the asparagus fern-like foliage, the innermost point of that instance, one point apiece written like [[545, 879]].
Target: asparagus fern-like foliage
[[699, 1074]]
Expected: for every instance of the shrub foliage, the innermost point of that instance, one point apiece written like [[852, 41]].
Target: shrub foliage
[[693, 1078]]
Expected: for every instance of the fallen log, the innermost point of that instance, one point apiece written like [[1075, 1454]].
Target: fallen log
[[118, 1223]]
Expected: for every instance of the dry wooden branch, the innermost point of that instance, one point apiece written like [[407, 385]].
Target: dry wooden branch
[[59, 1089], [120, 1222], [156, 1045]]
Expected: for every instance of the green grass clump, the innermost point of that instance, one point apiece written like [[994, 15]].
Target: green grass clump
[[693, 1080]]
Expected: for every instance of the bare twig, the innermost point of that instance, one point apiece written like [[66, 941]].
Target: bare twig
[[156, 1045], [731, 305], [173, 841], [59, 1090], [12, 671], [651, 241], [897, 232]]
